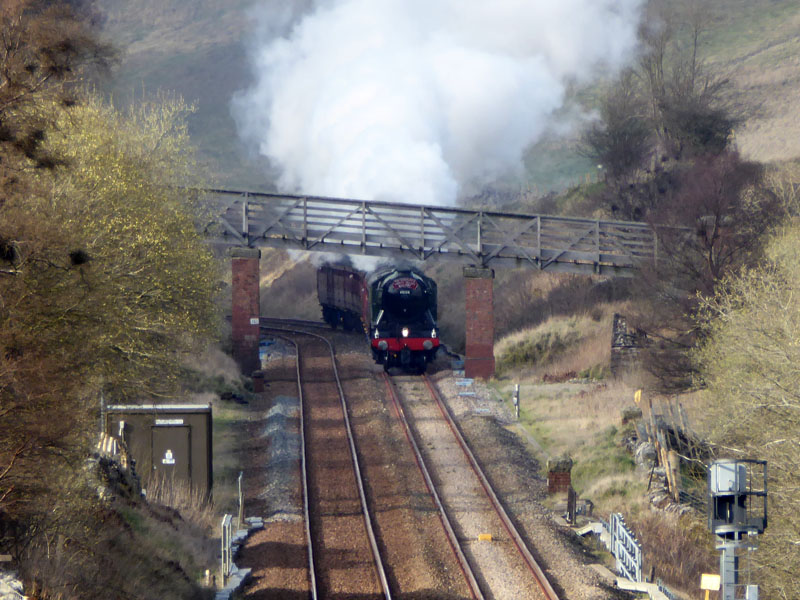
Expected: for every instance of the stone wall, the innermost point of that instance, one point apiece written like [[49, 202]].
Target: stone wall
[[626, 346]]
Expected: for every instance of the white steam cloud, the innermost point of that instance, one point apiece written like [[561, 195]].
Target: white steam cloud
[[411, 100]]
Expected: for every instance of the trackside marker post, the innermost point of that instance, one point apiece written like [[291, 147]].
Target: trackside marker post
[[709, 582]]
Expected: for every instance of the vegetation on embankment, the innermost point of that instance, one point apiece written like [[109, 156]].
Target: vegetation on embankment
[[563, 348], [105, 286], [749, 366], [740, 400]]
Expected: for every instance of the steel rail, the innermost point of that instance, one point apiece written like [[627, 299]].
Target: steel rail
[[538, 574], [466, 569], [378, 560], [284, 322], [312, 573]]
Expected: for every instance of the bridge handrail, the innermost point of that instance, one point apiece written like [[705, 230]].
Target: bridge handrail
[[421, 232], [402, 205]]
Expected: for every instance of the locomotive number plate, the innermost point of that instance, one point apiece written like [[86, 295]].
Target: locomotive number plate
[[404, 283]]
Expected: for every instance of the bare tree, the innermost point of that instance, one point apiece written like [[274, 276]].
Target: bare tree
[[689, 105], [716, 224], [620, 139]]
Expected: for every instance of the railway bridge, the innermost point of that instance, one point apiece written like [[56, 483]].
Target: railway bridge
[[479, 240]]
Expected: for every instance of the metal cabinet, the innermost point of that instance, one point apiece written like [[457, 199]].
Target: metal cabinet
[[168, 441]]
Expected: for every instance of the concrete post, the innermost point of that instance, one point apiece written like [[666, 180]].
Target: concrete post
[[245, 308], [479, 314]]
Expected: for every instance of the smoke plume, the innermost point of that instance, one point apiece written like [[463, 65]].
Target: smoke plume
[[411, 100]]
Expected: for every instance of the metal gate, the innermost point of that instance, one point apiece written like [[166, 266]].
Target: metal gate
[[626, 549]]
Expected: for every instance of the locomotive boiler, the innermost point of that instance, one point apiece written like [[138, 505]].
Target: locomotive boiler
[[395, 306]]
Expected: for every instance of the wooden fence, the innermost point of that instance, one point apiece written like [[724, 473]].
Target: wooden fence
[[679, 450]]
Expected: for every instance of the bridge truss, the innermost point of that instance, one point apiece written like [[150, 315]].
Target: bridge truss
[[426, 233]]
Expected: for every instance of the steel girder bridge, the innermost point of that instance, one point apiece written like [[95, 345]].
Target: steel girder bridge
[[479, 238]]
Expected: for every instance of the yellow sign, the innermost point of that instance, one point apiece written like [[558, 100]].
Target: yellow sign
[[709, 582], [637, 397]]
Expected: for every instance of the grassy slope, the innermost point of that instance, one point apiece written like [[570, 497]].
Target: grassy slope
[[197, 47], [756, 44]]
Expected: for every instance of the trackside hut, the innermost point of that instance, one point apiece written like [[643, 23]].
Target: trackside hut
[[168, 441]]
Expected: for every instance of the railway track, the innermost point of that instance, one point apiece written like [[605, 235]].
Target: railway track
[[291, 325], [468, 510], [343, 553]]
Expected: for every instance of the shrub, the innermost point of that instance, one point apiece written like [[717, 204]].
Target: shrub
[[557, 347]]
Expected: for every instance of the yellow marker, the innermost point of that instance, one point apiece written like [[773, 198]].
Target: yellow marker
[[709, 582], [637, 397], [484, 537]]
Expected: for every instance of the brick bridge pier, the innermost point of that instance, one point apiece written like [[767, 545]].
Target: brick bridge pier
[[479, 322], [246, 307], [478, 302]]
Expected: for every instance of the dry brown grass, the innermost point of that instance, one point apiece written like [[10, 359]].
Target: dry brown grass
[[584, 421], [288, 288], [175, 26], [561, 348], [593, 351], [678, 559], [229, 420], [214, 362], [755, 43], [192, 504], [566, 418]]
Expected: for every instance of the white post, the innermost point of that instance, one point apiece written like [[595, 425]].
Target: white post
[[226, 549], [241, 501], [516, 400]]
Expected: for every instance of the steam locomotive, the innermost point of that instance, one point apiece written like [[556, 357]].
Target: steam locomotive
[[395, 306]]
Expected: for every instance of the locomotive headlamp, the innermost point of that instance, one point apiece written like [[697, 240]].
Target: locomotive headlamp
[[375, 335], [433, 332], [404, 331]]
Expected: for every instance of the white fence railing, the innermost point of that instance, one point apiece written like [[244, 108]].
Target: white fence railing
[[626, 549], [662, 587], [227, 550]]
